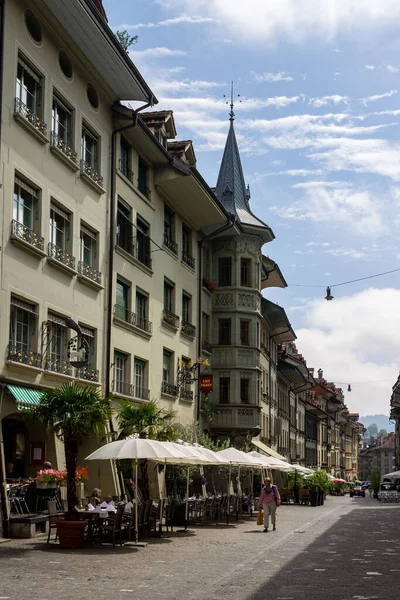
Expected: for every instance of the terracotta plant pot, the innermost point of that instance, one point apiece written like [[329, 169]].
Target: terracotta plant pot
[[70, 533]]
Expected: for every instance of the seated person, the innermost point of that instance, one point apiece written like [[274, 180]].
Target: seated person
[[95, 498], [10, 471]]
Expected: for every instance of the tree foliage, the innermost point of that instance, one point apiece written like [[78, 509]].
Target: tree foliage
[[147, 421], [73, 412], [126, 40], [373, 430]]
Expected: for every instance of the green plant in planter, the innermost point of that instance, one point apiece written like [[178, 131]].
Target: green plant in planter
[[375, 481], [74, 412]]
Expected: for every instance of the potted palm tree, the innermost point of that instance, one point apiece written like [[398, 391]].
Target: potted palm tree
[[73, 412]]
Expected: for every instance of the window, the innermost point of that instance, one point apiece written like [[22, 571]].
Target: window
[[206, 263], [245, 333], [90, 149], [169, 292], [186, 307], [206, 327], [28, 92], [89, 372], [120, 372], [125, 160], [25, 204], [141, 309], [187, 240], [224, 390], [167, 373], [124, 226], [33, 26], [224, 332], [245, 272], [225, 271], [57, 346], [169, 230], [244, 390], [141, 390], [23, 322], [88, 247], [65, 64], [143, 242], [62, 136], [122, 299], [142, 178], [59, 227]]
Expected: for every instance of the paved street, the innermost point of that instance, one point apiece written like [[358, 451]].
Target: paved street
[[346, 550]]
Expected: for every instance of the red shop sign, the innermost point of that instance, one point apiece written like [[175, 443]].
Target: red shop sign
[[206, 383]]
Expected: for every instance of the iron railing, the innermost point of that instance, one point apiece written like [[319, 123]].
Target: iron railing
[[188, 259], [169, 389], [207, 347], [188, 329], [170, 318], [58, 365], [24, 357], [24, 233], [146, 191], [89, 272], [130, 317], [125, 169], [122, 387], [87, 169], [88, 373], [61, 256], [58, 142], [186, 395], [170, 243], [27, 113]]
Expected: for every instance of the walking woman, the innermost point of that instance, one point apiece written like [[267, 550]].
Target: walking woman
[[269, 501]]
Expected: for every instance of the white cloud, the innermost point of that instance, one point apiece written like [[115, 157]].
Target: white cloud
[[356, 351], [156, 52], [369, 99], [324, 100], [271, 77], [186, 19], [297, 20], [317, 184], [370, 67], [392, 69], [185, 85], [345, 252], [355, 211]]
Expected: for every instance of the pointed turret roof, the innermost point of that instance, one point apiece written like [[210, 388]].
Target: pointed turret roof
[[231, 189]]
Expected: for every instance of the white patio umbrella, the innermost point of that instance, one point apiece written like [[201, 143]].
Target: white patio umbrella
[[135, 448], [239, 458]]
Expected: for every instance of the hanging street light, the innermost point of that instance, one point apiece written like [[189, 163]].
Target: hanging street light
[[328, 294]]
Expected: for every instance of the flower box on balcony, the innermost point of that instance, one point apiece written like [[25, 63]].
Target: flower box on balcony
[[27, 239], [92, 177], [32, 122], [63, 151], [89, 275], [208, 284], [170, 320], [188, 330], [61, 259]]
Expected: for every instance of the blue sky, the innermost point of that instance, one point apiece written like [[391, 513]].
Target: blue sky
[[318, 129]]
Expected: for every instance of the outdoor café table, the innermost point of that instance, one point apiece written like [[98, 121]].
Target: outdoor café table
[[92, 517]]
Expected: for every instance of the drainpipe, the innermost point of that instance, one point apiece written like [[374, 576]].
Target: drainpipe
[[231, 222], [112, 243], [3, 489], [107, 366]]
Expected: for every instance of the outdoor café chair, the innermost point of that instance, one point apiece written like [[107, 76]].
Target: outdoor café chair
[[112, 527], [13, 499], [53, 516], [169, 514]]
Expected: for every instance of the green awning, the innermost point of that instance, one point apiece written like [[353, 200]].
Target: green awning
[[26, 398]]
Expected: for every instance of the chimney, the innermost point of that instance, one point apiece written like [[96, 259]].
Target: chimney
[[320, 373]]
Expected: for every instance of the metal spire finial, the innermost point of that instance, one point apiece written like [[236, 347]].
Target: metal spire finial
[[232, 103]]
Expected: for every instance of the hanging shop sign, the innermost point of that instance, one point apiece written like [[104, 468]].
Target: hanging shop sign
[[206, 383]]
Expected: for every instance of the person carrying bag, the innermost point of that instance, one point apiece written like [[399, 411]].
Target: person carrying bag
[[269, 501]]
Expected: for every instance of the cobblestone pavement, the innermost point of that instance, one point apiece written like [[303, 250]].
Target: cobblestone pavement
[[347, 549]]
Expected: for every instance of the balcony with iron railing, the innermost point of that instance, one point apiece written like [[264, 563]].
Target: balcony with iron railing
[[58, 365], [169, 389], [188, 329], [88, 374], [90, 174], [61, 146], [186, 395], [89, 272], [120, 312], [28, 117], [125, 169], [138, 253], [124, 388], [60, 256], [207, 347], [24, 356], [170, 244], [170, 319], [188, 259], [24, 236]]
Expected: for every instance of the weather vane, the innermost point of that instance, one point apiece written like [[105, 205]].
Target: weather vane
[[232, 103]]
